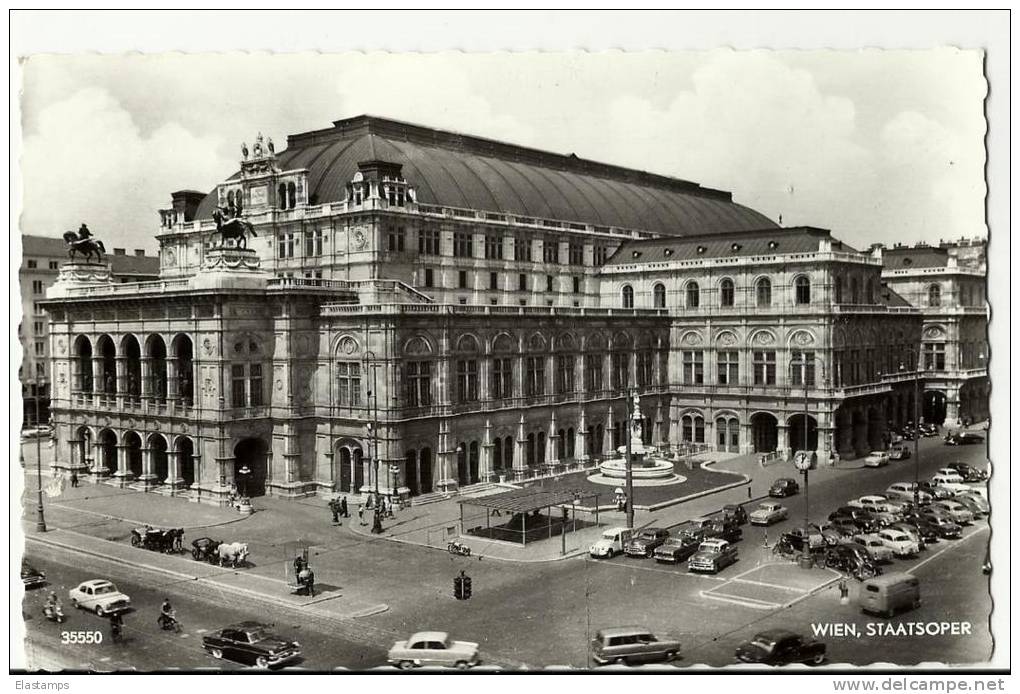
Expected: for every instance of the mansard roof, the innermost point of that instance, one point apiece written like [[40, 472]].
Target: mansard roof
[[456, 170]]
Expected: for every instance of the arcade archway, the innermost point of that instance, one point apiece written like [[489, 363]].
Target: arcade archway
[[764, 432], [252, 453]]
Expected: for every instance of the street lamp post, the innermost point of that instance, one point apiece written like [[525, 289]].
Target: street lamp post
[[630, 466], [917, 434], [803, 461], [377, 516], [40, 521]]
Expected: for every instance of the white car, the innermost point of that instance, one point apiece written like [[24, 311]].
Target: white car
[[905, 491], [952, 483], [876, 459], [611, 543], [899, 542], [433, 648], [100, 596], [768, 513], [878, 503], [957, 511], [875, 545]]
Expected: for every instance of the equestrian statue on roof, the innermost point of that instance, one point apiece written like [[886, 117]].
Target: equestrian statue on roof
[[83, 242], [231, 225]]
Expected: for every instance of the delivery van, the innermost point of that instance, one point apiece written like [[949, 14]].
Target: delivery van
[[890, 593]]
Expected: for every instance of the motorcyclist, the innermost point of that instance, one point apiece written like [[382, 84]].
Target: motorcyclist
[[166, 614], [116, 626], [52, 606]]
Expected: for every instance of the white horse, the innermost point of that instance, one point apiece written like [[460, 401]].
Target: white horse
[[234, 552]]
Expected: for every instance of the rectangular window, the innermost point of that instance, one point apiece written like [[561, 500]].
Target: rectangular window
[[521, 250], [565, 373], [462, 279], [693, 367], [31, 264], [802, 368], [522, 282], [348, 384], [601, 254], [37, 287], [493, 247], [644, 369], [429, 277], [286, 245], [467, 380], [729, 368], [621, 370], [576, 254], [395, 239], [534, 383], [577, 284], [428, 242], [40, 369], [549, 283], [593, 372], [40, 348], [54, 265], [37, 308], [255, 385], [419, 383], [493, 280], [38, 327], [935, 357], [502, 378], [237, 385], [663, 367], [764, 368], [463, 245], [551, 252]]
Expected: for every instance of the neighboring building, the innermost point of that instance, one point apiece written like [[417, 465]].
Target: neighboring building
[[949, 285], [41, 260], [426, 310]]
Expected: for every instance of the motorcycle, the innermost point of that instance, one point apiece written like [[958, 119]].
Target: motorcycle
[[168, 622], [54, 613], [460, 548]]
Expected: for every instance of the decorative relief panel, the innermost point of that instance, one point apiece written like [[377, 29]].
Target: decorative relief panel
[[727, 339], [802, 338], [763, 338], [692, 338]]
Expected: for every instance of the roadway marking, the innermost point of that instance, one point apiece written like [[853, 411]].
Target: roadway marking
[[662, 571], [946, 549], [767, 585], [742, 601]]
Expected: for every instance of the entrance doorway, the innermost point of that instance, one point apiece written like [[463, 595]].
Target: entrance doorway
[[186, 461], [764, 432], [934, 407], [251, 453]]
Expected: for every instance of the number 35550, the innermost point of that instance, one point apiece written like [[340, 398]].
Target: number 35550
[[69, 637]]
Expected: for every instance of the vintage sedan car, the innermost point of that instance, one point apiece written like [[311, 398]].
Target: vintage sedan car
[[784, 486], [969, 473], [875, 546], [433, 649], [736, 512], [816, 538], [877, 503], [726, 529], [713, 556], [955, 510], [943, 524], [923, 536], [864, 520], [676, 549], [876, 459], [964, 438], [252, 643], [904, 491], [100, 596], [899, 452], [781, 647], [936, 491], [768, 513], [631, 645], [839, 530], [975, 503], [31, 577], [645, 541], [899, 542], [853, 559]]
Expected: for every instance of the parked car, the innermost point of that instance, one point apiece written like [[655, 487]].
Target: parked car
[[862, 518], [735, 511], [815, 536], [922, 536], [945, 525], [612, 542], [853, 559], [928, 430], [768, 513], [631, 645], [953, 483], [876, 459], [905, 492], [969, 473], [899, 542], [251, 643], [100, 596], [784, 486], [888, 594], [713, 556], [878, 504], [676, 549], [964, 438], [433, 649], [726, 529], [838, 530], [31, 577], [955, 510], [899, 453], [781, 647], [875, 546], [936, 491], [977, 504], [643, 544]]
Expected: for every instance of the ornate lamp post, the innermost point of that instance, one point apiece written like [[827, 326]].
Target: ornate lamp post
[[803, 460], [630, 463], [917, 434], [40, 521], [374, 429]]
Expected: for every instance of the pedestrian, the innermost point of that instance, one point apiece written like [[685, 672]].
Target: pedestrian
[[343, 508], [748, 491], [74, 478], [335, 510], [116, 627], [844, 592], [361, 513]]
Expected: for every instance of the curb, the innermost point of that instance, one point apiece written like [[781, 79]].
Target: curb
[[205, 580]]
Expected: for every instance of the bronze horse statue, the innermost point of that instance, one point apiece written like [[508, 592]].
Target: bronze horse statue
[[233, 228], [83, 243]]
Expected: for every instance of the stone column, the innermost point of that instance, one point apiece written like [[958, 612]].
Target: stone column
[[171, 379], [782, 443], [173, 467], [952, 407], [148, 478], [657, 439], [607, 434], [146, 385], [551, 441], [581, 438], [123, 475], [520, 459], [97, 380], [122, 382], [485, 463], [100, 468]]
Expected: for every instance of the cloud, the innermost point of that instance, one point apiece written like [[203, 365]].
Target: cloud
[[87, 161]]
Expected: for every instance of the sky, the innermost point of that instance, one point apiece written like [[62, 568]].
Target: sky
[[876, 145]]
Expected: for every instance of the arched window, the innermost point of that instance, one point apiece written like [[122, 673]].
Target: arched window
[[726, 292], [802, 290], [659, 295], [763, 292], [230, 199], [934, 295], [628, 296], [291, 195], [693, 295]]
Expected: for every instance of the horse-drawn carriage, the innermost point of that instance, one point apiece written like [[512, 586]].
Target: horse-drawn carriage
[[166, 540], [219, 552], [205, 549]]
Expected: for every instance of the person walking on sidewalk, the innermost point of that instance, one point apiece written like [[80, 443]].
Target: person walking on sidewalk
[[344, 511], [335, 509], [361, 513], [74, 478]]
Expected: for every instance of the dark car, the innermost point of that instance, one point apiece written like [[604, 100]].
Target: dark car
[[781, 647], [727, 529], [838, 529], [929, 533], [944, 525], [31, 576], [252, 643], [853, 559], [936, 491], [861, 518], [736, 512], [928, 430], [784, 486], [677, 548], [964, 438], [968, 472], [644, 543], [971, 504]]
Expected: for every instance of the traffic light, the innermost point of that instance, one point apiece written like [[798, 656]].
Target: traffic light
[[458, 587], [467, 587]]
